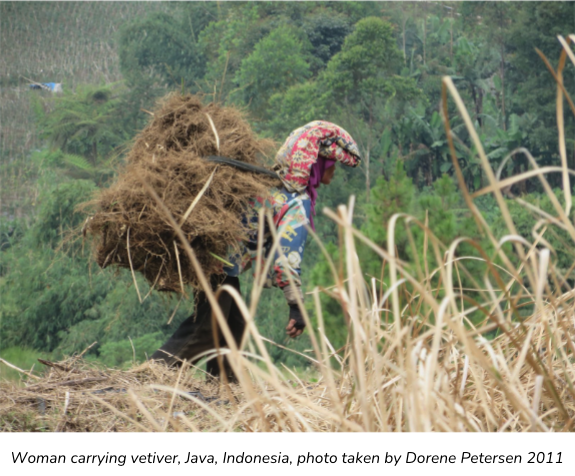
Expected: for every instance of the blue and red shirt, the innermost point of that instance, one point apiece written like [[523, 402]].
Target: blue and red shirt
[[290, 213]]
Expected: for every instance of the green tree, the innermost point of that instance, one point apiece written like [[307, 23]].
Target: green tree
[[326, 32], [277, 62], [500, 143], [158, 53], [431, 156], [475, 64], [494, 30], [527, 223], [160, 45], [300, 104], [83, 128], [533, 89], [364, 84], [388, 198], [225, 43]]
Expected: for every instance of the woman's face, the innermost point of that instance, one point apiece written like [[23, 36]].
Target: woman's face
[[328, 175]]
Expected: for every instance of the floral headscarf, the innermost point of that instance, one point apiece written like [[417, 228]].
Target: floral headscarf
[[303, 146]]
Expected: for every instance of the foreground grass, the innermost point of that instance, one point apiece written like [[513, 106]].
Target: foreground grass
[[446, 378]]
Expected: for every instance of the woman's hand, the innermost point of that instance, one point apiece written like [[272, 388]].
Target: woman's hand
[[296, 324]]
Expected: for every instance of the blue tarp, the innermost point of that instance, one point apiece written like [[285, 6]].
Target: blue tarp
[[54, 87]]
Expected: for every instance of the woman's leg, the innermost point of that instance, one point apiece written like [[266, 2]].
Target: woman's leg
[[190, 339], [237, 325], [195, 335]]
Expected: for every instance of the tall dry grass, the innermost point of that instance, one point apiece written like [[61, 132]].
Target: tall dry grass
[[414, 360]]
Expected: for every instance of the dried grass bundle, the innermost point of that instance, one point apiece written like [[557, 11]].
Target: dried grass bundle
[[206, 199]]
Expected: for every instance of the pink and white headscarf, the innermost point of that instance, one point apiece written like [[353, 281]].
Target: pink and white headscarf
[[309, 151]]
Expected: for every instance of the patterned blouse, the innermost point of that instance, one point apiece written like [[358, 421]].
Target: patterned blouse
[[290, 206], [290, 212]]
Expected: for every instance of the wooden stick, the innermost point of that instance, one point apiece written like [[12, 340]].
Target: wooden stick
[[197, 199], [69, 383], [179, 268], [62, 421], [8, 364], [55, 365], [214, 131], [81, 354], [132, 266], [87, 348], [175, 310], [46, 88]]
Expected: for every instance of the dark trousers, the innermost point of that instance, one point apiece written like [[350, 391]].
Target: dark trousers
[[195, 335]]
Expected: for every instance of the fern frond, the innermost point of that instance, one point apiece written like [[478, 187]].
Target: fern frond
[[77, 161]]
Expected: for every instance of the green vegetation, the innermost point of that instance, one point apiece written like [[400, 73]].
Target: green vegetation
[[374, 68], [23, 358]]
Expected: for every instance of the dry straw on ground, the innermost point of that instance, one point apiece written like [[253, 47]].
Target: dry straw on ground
[[413, 361], [169, 157]]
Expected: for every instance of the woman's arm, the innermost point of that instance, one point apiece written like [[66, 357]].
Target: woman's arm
[[287, 266]]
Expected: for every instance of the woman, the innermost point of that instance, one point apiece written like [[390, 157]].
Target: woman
[[305, 161]]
